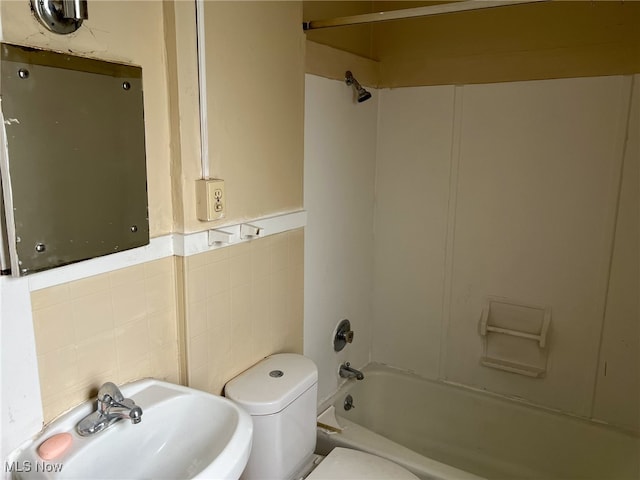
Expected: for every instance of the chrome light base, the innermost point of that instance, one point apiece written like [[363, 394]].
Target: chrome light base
[[51, 14]]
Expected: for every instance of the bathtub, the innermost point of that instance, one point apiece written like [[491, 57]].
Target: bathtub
[[442, 431]]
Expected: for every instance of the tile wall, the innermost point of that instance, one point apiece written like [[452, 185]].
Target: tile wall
[[233, 306], [117, 326], [242, 303]]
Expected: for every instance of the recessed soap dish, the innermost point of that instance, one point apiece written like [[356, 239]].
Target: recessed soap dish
[[514, 336]]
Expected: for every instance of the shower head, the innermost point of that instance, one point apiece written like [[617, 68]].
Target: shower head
[[362, 94]]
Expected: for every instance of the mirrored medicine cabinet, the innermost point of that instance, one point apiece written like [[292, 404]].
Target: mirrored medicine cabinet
[[72, 160]]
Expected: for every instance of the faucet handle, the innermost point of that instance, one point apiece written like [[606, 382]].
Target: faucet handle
[[346, 336], [110, 391], [135, 415], [343, 335]]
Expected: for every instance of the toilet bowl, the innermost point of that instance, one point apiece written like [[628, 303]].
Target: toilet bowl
[[280, 394]]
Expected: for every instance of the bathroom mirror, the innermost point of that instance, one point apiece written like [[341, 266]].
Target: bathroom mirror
[[73, 167]]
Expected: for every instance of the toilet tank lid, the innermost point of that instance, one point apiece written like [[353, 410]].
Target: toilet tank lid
[[272, 384]]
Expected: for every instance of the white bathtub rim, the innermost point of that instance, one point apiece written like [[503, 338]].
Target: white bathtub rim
[[360, 438], [499, 464]]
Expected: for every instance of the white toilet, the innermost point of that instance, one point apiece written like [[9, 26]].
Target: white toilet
[[280, 394]]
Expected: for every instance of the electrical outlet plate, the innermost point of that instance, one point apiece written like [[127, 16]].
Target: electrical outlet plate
[[210, 199]]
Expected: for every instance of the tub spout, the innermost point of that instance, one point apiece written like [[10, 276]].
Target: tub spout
[[347, 371]]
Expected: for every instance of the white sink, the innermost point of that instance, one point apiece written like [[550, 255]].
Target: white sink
[[184, 433]]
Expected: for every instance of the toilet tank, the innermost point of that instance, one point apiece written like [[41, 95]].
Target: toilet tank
[[280, 393]]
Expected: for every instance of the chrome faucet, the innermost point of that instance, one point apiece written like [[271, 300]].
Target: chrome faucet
[[112, 407], [347, 371]]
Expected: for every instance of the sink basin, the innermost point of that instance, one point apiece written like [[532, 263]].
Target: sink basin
[[184, 433]]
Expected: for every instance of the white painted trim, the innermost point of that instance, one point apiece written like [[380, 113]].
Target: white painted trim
[[195, 243], [183, 245], [157, 248], [202, 90]]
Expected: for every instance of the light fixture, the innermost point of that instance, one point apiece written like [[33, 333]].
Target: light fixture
[[60, 16]]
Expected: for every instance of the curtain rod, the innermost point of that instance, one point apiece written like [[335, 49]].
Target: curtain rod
[[412, 13]]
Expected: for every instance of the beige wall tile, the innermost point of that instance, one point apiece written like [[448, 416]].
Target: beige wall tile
[[220, 359], [128, 301], [163, 363], [127, 275], [49, 296], [162, 327], [241, 332], [219, 311], [198, 317], [196, 285], [240, 269], [88, 286], [92, 314], [132, 342], [58, 370], [260, 259], [195, 261], [217, 382], [197, 351], [162, 267], [279, 252], [278, 305], [116, 327], [242, 248], [63, 400], [160, 292], [129, 371], [261, 317], [96, 356], [296, 247], [213, 256], [218, 277], [55, 325], [253, 306], [296, 296], [242, 303], [199, 378]]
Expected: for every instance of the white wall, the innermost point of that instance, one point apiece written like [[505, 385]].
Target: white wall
[[340, 149], [619, 367], [504, 190], [412, 193], [20, 404], [511, 190], [537, 188]]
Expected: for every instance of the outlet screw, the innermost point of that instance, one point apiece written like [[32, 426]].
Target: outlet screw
[[23, 73], [126, 85]]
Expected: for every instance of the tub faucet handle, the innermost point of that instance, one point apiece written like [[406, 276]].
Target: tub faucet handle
[[343, 335], [346, 336]]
